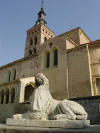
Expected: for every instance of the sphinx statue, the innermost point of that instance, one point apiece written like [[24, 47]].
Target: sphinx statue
[[44, 107]]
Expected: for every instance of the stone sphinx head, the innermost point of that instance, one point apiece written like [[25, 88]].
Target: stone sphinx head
[[39, 79]]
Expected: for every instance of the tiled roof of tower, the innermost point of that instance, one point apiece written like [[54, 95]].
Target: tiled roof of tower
[[40, 25]]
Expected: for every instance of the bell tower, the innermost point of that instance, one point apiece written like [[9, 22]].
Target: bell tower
[[38, 34]]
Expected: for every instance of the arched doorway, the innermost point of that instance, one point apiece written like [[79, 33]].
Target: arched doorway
[[28, 91]]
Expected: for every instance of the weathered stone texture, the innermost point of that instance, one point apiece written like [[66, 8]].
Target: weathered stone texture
[[67, 124], [92, 106], [94, 52], [78, 73], [16, 129], [7, 110]]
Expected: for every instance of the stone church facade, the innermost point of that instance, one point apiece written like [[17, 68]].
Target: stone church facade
[[71, 62]]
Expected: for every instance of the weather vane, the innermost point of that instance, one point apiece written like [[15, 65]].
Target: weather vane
[[42, 3]]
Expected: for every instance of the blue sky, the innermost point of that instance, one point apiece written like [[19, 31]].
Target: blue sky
[[17, 16]]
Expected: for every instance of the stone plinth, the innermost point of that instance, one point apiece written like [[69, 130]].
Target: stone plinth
[[49, 123], [22, 129]]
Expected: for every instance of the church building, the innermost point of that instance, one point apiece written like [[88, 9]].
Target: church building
[[71, 62]]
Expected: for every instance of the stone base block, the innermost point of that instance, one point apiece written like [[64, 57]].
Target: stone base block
[[49, 123]]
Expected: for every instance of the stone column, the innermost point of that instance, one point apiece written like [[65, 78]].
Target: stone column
[[51, 58], [0, 97], [10, 93]]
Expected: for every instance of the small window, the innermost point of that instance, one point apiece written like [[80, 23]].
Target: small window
[[55, 57], [45, 39], [30, 52], [35, 41], [31, 41], [48, 60]]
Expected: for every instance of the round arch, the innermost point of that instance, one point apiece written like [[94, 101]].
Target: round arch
[[30, 41], [29, 88]]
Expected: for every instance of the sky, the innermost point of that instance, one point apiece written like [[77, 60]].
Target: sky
[[17, 16]]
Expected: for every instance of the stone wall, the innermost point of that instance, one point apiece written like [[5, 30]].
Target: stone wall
[[24, 68], [56, 74], [69, 45], [83, 38], [92, 106], [94, 51], [23, 129], [77, 35], [79, 82], [7, 110]]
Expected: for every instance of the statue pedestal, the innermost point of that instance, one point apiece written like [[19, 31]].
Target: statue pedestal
[[48, 123]]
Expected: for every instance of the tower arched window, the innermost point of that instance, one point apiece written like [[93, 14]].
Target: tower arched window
[[35, 41], [45, 39], [55, 57], [34, 50], [30, 52], [31, 41], [47, 59]]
